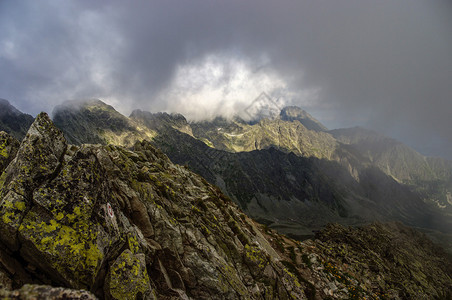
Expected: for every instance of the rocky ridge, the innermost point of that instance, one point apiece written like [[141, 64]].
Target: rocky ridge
[[282, 133], [128, 224], [294, 113], [94, 122]]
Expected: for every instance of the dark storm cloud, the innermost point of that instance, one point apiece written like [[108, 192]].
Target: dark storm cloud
[[382, 64]]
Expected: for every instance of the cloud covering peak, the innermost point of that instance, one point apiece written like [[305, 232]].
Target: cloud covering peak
[[385, 64]]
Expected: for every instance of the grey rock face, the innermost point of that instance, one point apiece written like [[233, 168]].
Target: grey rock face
[[8, 149], [45, 292]]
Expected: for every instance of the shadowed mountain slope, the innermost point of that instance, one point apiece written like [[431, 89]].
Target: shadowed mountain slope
[[430, 176], [13, 121]]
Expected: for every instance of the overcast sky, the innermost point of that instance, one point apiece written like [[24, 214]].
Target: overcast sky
[[384, 65]]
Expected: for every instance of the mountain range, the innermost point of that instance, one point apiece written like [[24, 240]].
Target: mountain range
[[112, 222], [289, 172]]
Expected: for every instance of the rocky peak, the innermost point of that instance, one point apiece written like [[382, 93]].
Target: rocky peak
[[263, 107], [94, 122], [95, 111], [294, 113], [161, 121], [13, 121], [37, 159], [7, 108], [83, 104]]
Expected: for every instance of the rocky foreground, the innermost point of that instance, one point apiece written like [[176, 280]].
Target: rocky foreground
[[91, 221]]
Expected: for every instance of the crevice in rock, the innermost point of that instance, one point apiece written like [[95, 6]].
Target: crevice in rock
[[58, 168], [98, 286]]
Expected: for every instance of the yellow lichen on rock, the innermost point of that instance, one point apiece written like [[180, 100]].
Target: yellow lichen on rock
[[69, 250], [129, 277]]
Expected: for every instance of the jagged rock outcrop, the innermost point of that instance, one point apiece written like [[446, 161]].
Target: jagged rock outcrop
[[129, 224]]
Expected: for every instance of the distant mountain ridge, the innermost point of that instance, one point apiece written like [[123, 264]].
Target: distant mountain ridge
[[294, 113], [94, 122], [430, 176], [14, 121]]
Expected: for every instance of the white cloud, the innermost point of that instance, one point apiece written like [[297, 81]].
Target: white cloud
[[221, 85], [8, 50]]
